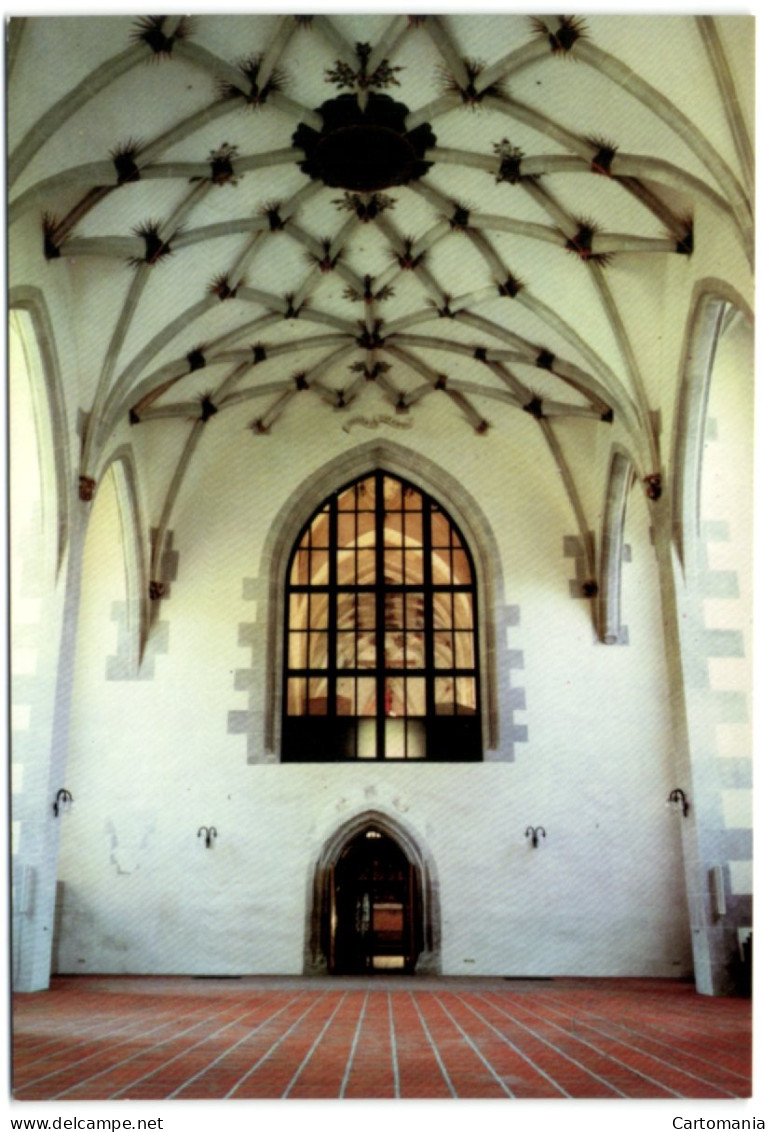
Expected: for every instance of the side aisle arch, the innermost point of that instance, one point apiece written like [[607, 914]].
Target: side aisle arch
[[30, 318], [712, 302]]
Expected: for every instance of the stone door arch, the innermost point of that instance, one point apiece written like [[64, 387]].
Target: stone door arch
[[345, 872]]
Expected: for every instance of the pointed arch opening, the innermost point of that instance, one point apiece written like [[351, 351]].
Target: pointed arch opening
[[714, 308], [38, 441], [26, 466], [374, 905], [381, 658], [466, 514]]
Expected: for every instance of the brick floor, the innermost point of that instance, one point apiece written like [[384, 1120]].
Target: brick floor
[[100, 1038]]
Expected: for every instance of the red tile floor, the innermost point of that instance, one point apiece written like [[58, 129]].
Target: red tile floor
[[106, 1038]]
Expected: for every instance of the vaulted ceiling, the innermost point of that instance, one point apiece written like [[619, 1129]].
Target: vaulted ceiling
[[385, 214]]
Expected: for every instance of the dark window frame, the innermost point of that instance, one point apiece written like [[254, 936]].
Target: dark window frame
[[328, 734]]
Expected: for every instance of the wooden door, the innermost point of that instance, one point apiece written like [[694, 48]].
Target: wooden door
[[373, 927]]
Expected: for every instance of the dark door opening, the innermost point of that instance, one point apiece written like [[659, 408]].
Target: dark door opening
[[375, 908]]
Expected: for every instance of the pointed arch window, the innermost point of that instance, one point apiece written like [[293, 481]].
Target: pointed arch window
[[381, 640]]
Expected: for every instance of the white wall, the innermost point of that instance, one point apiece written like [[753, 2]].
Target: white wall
[[152, 759], [726, 515]]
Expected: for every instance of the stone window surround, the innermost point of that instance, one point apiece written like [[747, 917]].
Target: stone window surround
[[495, 616]]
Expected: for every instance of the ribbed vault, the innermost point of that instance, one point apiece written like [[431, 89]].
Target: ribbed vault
[[456, 215]]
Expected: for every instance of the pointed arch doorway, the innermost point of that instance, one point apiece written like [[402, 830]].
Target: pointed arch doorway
[[375, 904], [374, 901]]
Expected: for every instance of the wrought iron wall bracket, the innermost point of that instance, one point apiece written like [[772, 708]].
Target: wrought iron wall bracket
[[62, 797]]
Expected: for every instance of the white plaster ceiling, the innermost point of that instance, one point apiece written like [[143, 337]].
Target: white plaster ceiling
[[523, 305]]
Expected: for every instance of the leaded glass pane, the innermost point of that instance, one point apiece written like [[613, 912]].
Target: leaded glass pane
[[461, 572], [297, 650], [366, 567], [440, 567], [319, 567]]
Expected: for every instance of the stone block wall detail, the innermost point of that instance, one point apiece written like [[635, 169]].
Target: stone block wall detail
[[512, 692], [726, 654], [250, 722]]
